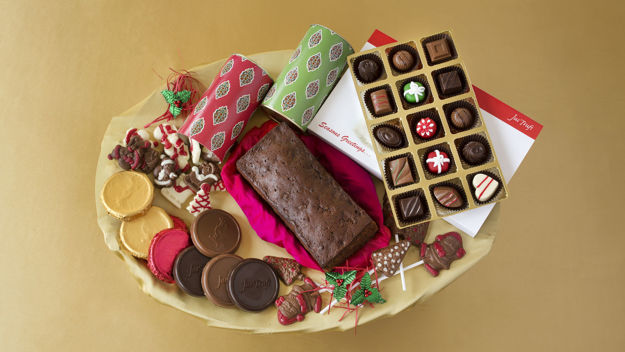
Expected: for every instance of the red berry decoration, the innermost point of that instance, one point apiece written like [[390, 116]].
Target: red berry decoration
[[438, 162], [426, 128]]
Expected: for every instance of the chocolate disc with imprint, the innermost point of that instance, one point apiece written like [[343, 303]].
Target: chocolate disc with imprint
[[215, 232], [215, 278], [188, 271], [253, 285]]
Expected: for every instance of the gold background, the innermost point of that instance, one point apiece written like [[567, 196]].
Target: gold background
[[555, 279]]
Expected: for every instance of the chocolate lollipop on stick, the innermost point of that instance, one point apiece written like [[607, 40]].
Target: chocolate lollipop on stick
[[301, 300], [444, 250], [387, 259]]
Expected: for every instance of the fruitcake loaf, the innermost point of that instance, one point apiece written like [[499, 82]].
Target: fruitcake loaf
[[323, 217]]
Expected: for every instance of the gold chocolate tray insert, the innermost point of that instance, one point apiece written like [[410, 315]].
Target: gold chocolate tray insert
[[420, 92]]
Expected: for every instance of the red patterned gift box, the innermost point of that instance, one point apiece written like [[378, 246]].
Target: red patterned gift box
[[223, 111]]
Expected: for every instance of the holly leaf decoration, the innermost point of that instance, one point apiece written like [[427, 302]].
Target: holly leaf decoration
[[175, 110], [169, 96], [339, 292], [340, 282], [358, 297], [183, 96], [366, 292], [176, 100]]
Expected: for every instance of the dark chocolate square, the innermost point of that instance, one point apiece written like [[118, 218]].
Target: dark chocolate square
[[450, 82], [438, 50], [411, 208]]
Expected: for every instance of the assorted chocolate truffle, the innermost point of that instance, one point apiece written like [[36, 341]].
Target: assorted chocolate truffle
[[415, 234], [485, 186], [462, 118], [400, 172], [450, 82], [415, 92], [448, 196], [389, 136], [438, 162], [426, 128], [438, 50], [474, 152], [411, 207], [381, 103], [403, 61], [369, 70]]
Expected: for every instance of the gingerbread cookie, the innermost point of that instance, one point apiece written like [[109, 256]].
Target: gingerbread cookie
[[127, 195], [442, 252], [301, 300], [137, 234]]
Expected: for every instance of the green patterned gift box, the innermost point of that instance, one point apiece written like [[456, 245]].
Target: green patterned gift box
[[308, 78]]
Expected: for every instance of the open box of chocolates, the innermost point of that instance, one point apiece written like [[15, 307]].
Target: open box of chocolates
[[429, 137]]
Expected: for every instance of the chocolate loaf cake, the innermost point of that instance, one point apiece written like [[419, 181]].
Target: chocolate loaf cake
[[325, 219]]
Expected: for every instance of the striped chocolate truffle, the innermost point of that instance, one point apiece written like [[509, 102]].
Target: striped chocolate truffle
[[380, 102], [448, 197]]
